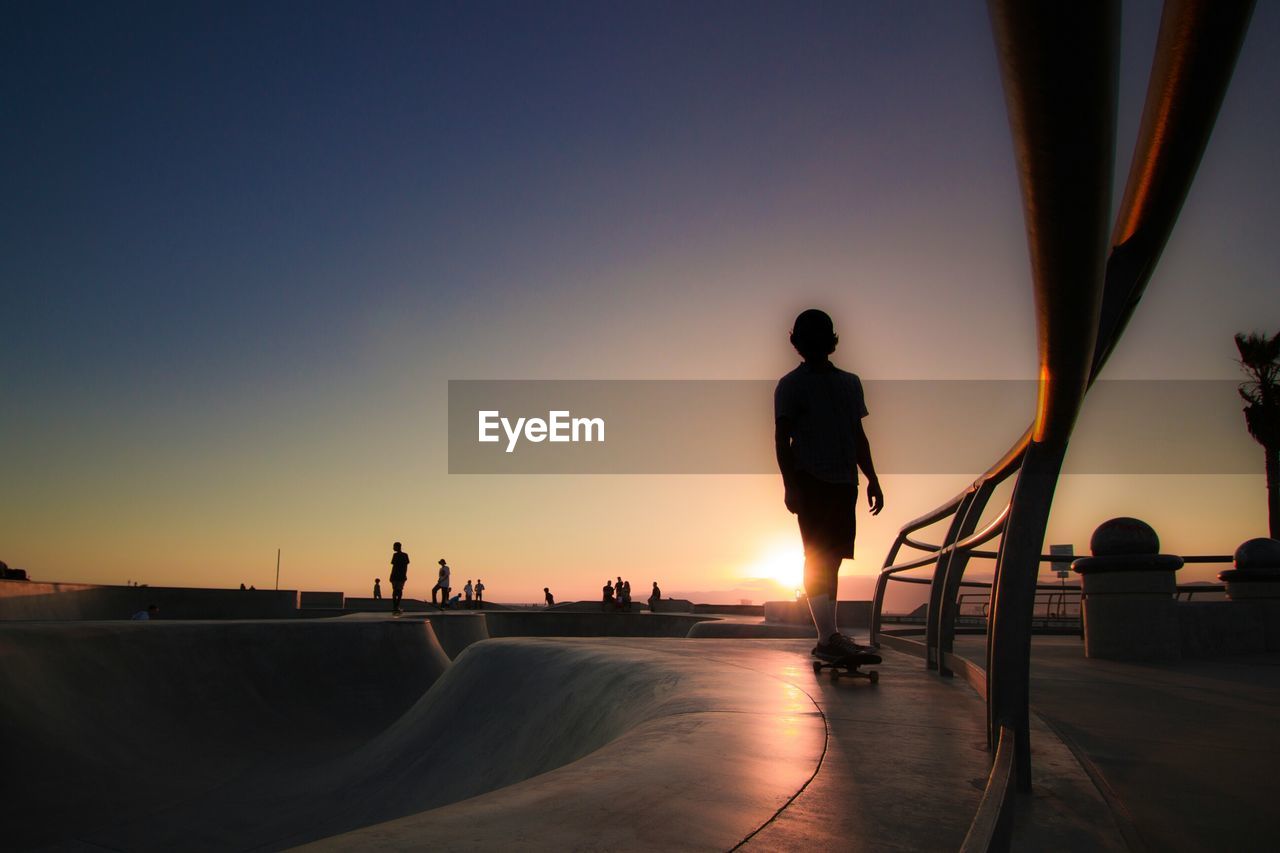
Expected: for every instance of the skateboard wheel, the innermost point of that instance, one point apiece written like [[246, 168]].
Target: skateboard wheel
[[874, 676]]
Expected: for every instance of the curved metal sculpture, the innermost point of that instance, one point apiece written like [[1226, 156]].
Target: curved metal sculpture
[[1059, 66]]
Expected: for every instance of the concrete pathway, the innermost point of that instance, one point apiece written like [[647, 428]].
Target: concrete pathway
[[1186, 752]]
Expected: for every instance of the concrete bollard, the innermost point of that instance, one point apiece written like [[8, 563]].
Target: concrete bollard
[[1257, 571], [1129, 602]]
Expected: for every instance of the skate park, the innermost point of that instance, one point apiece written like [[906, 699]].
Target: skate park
[[361, 732], [280, 719]]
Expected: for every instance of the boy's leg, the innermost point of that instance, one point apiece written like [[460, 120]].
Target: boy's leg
[[820, 578]]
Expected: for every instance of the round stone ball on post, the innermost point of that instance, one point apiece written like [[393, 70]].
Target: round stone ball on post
[[1256, 572], [1129, 600]]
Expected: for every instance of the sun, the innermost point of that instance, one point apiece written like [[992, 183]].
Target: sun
[[781, 562]]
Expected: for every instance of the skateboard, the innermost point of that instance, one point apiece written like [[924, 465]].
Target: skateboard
[[848, 666]]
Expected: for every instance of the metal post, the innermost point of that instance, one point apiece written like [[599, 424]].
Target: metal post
[[933, 619], [1014, 596]]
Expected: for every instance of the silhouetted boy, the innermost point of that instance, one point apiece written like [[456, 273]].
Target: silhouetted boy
[[399, 574], [442, 585], [551, 599], [377, 589], [820, 444]]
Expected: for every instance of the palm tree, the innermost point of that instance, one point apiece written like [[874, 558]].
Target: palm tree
[[1260, 359]]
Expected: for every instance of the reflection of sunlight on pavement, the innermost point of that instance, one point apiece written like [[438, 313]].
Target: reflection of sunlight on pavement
[[797, 700], [791, 727], [795, 671]]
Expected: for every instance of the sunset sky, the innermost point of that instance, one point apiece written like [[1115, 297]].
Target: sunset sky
[[247, 245]]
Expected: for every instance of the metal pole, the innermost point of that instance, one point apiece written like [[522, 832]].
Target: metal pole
[[277, 568]]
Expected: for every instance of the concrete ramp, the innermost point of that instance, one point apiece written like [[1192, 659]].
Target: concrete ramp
[[202, 736], [103, 723]]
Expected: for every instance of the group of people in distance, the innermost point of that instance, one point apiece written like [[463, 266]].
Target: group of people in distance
[[617, 596], [474, 594]]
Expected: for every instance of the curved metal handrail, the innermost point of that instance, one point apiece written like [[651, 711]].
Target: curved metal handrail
[[990, 829], [1059, 68], [986, 534]]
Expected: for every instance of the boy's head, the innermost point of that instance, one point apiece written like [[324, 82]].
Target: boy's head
[[395, 546], [814, 335]]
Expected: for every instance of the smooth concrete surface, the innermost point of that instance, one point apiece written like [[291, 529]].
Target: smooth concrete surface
[[896, 766], [263, 735], [652, 724], [357, 733], [1186, 752]]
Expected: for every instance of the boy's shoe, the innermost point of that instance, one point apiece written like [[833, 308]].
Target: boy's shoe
[[840, 646]]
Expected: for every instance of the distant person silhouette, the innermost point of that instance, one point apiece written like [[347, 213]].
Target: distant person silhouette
[[399, 574], [626, 596], [820, 445], [377, 589], [479, 594], [654, 597], [144, 615], [467, 590], [551, 599], [606, 602], [442, 585], [242, 586], [617, 594]]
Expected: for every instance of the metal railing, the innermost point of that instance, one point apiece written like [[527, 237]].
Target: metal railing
[[1058, 63]]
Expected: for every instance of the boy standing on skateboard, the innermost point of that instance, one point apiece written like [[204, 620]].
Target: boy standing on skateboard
[[820, 445]]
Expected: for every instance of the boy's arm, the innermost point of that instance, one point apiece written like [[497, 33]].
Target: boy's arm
[[875, 497], [786, 460]]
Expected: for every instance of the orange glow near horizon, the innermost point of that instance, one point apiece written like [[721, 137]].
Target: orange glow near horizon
[[782, 561]]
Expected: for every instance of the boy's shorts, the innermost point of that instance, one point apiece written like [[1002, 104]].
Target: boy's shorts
[[827, 516]]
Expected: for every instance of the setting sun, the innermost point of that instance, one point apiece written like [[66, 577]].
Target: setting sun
[[781, 562]]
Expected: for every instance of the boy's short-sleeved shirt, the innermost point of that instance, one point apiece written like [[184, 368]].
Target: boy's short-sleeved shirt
[[444, 575], [824, 405], [399, 566]]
